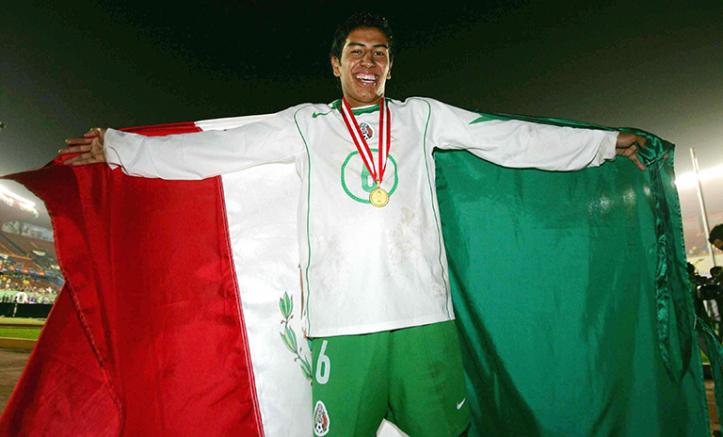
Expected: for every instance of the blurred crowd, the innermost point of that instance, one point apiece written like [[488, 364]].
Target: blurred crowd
[[19, 287]]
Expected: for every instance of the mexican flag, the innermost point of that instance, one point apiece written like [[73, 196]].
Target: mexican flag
[[181, 309]]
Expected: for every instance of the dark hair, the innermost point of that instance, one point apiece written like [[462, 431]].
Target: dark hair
[[355, 21], [716, 233]]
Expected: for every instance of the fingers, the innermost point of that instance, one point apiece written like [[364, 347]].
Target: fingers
[[93, 132], [637, 162], [70, 161], [83, 159], [75, 149], [639, 141], [89, 148], [627, 150], [89, 161], [84, 140], [631, 154], [88, 137], [643, 143], [75, 159], [628, 146], [626, 140]]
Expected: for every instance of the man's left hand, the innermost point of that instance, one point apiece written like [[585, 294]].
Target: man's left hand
[[628, 146]]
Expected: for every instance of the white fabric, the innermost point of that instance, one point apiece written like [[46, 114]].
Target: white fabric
[[262, 234], [365, 269]]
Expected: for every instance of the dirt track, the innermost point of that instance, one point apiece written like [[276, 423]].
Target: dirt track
[[11, 366]]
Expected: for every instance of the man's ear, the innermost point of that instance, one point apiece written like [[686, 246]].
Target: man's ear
[[335, 66], [389, 73]]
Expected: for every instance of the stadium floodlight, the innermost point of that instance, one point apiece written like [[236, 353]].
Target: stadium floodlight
[[17, 201], [690, 180]]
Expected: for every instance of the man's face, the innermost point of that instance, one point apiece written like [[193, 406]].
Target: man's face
[[364, 66], [718, 243]]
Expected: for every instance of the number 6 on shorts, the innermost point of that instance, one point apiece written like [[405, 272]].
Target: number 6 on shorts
[[323, 365]]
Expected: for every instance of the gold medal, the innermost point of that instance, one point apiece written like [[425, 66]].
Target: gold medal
[[378, 197]]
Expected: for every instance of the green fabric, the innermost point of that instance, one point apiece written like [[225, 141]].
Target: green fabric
[[412, 376], [571, 293], [714, 352]]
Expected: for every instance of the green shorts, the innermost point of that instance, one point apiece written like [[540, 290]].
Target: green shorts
[[413, 377]]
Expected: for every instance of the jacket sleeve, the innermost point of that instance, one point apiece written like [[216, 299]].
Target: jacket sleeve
[[260, 139], [520, 144]]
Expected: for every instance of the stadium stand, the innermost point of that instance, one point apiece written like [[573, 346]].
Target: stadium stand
[[28, 266]]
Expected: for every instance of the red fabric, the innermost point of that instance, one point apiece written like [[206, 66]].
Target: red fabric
[[147, 336]]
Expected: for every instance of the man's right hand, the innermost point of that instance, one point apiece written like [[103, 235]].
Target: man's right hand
[[89, 148]]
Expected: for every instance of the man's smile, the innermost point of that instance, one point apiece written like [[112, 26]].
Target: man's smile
[[366, 78]]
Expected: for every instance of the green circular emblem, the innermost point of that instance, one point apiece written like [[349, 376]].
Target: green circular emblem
[[359, 188]]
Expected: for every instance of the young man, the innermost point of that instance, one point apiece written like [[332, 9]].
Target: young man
[[377, 303]]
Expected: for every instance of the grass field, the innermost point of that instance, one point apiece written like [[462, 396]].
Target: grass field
[[22, 320], [29, 330], [30, 333]]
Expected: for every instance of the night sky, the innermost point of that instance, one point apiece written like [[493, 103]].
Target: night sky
[[67, 66]]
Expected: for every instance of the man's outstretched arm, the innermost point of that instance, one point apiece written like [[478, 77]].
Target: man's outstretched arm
[[523, 144], [257, 140]]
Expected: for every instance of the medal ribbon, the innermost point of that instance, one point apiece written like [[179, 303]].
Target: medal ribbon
[[375, 169]]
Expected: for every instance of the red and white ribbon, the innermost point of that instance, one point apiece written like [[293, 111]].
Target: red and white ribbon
[[376, 169]]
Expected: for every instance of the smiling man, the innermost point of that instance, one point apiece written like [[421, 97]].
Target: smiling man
[[367, 64], [377, 302]]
